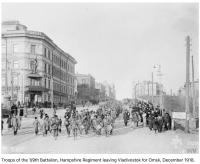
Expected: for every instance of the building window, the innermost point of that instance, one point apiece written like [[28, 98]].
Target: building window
[[32, 49], [15, 64], [45, 83], [45, 67], [15, 48], [3, 65], [45, 52], [3, 48], [49, 69], [49, 84], [45, 97], [3, 82], [49, 55]]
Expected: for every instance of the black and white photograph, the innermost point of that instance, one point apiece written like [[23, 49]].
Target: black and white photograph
[[99, 78]]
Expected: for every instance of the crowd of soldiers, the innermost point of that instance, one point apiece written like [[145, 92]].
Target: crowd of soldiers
[[100, 121], [153, 117]]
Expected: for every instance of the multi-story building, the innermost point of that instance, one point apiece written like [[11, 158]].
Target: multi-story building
[[145, 89], [34, 68], [182, 90], [113, 92], [102, 91], [86, 79], [109, 93]]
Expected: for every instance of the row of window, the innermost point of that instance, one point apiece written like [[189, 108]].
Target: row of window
[[62, 88], [63, 76], [57, 99], [15, 81], [63, 64], [15, 65], [16, 48]]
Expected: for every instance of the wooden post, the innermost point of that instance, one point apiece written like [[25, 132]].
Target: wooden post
[[187, 83], [193, 95]]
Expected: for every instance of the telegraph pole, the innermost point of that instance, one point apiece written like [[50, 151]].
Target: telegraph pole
[[187, 83], [194, 112], [152, 89]]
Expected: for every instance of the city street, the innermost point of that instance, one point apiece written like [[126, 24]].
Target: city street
[[123, 141]]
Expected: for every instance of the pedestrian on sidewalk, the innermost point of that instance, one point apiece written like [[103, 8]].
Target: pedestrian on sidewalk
[[14, 123], [25, 110], [41, 113], [155, 124], [9, 121], [36, 126], [21, 111], [19, 120], [126, 117], [144, 119], [34, 110], [134, 120], [2, 122]]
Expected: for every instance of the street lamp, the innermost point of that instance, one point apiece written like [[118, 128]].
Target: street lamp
[[159, 74]]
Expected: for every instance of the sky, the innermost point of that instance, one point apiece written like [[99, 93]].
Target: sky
[[118, 42]]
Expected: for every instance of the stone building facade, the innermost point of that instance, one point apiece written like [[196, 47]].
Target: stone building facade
[[34, 68]]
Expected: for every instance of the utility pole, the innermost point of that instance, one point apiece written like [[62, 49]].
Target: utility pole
[[12, 86], [187, 83], [193, 100], [152, 88]]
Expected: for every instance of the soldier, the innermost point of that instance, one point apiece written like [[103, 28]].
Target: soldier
[[14, 123], [45, 127], [54, 126], [74, 126], [106, 124], [67, 125], [59, 124], [9, 121], [36, 126]]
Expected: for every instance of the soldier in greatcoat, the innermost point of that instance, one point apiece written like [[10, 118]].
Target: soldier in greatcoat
[[74, 126], [36, 126], [67, 125], [54, 126], [14, 123], [45, 127]]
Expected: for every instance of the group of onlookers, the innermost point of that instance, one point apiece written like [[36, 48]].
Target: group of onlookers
[[155, 118]]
